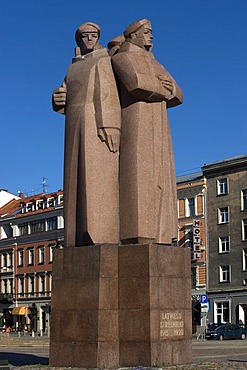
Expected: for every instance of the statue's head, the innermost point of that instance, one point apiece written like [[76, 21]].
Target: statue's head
[[115, 44], [87, 36], [140, 34]]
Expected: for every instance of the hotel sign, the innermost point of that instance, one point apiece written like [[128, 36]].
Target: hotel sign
[[196, 240]]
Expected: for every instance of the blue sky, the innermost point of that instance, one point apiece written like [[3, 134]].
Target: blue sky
[[202, 43]]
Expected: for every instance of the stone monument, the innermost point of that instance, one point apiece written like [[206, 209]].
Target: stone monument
[[89, 98], [121, 287], [148, 198]]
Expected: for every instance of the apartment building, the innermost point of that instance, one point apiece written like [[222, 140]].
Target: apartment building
[[30, 228], [227, 239], [191, 234]]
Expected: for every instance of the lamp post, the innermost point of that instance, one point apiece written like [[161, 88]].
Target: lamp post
[[33, 310]]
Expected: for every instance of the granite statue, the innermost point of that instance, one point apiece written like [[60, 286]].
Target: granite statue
[[148, 210], [89, 99]]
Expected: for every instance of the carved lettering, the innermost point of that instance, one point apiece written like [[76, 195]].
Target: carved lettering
[[171, 324]]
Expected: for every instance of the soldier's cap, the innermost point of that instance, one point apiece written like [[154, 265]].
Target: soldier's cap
[[115, 41], [83, 28], [135, 26]]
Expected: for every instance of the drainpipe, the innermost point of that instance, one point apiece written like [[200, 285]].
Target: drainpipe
[[204, 191]]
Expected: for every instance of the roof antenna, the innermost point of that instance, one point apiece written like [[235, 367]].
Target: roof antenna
[[44, 184]]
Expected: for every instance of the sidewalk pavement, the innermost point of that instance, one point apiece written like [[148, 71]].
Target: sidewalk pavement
[[12, 340]]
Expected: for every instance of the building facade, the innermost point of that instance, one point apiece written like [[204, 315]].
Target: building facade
[[226, 217], [191, 234], [30, 228], [212, 219]]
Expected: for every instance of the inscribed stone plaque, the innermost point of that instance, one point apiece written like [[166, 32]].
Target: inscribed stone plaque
[[171, 324]]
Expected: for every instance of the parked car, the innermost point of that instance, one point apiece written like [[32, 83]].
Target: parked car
[[227, 331]]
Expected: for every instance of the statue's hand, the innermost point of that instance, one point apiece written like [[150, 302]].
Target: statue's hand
[[167, 84], [111, 136], [59, 96]]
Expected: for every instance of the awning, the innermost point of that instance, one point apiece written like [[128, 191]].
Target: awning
[[22, 310]]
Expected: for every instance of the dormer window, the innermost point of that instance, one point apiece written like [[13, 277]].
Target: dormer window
[[39, 204], [50, 202], [60, 199], [29, 207]]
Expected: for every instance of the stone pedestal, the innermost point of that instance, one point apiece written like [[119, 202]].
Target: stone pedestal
[[116, 306]]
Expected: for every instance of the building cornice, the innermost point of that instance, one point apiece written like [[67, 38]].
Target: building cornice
[[226, 166]]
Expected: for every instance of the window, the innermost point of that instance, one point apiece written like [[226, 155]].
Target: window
[[42, 284], [5, 286], [41, 254], [21, 285], [29, 207], [244, 200], [222, 312], [11, 286], [37, 226], [52, 247], [31, 288], [193, 277], [10, 254], [224, 244], [4, 260], [39, 204], [20, 257], [51, 223], [224, 272], [23, 228], [222, 186], [49, 277], [244, 253], [188, 238], [31, 256], [244, 229], [223, 215], [60, 199], [50, 202], [190, 209]]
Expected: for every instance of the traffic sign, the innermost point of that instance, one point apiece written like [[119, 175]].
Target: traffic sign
[[204, 298], [204, 307]]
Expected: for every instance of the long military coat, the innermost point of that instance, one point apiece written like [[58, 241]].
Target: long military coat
[[148, 209], [90, 169]]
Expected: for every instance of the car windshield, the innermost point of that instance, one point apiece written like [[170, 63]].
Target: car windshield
[[213, 326]]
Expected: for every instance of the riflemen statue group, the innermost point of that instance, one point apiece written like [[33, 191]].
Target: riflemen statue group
[[119, 177]]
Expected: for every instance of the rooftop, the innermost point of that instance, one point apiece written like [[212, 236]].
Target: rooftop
[[231, 159], [231, 164], [35, 203], [189, 177]]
